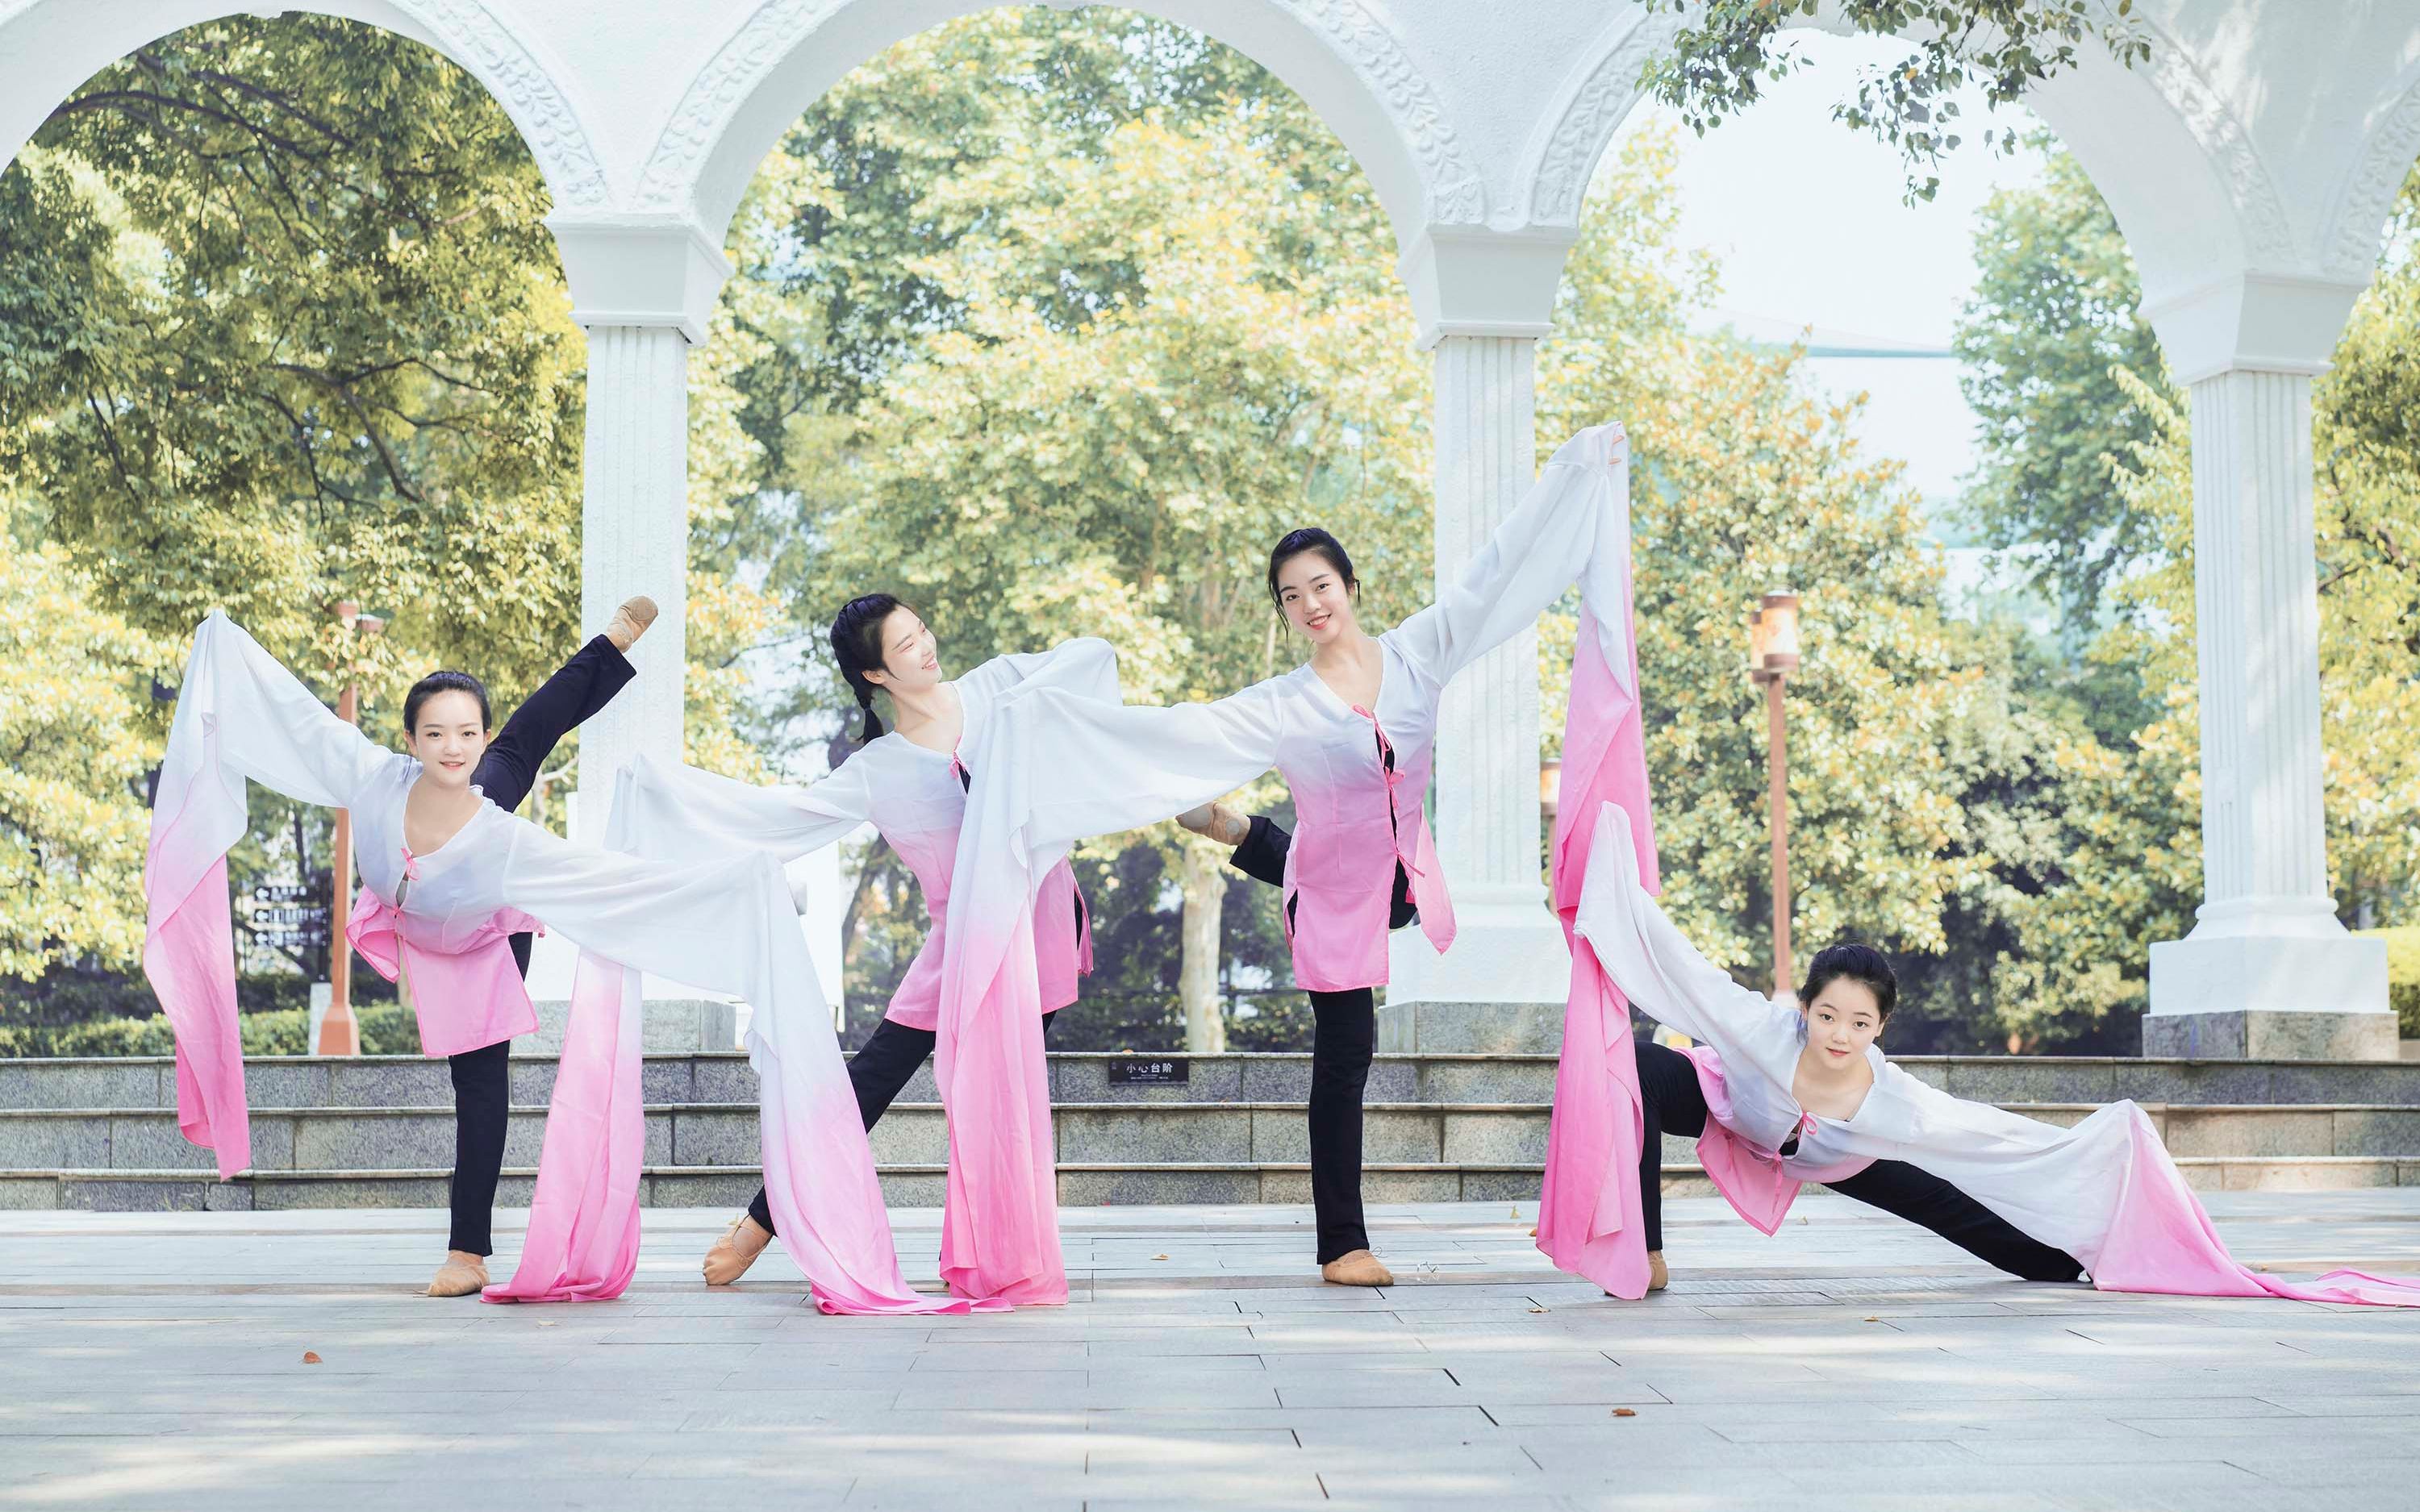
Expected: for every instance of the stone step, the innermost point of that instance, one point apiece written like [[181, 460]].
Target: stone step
[[1091, 1184], [724, 1076], [698, 1135]]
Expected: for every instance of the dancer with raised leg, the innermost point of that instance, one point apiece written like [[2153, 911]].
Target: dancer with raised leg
[[456, 873], [911, 786], [1352, 731], [445, 726]]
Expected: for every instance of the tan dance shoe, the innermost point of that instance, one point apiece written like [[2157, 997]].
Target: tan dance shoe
[[631, 621], [463, 1275], [735, 1252], [1357, 1268], [1218, 821], [1657, 1276]]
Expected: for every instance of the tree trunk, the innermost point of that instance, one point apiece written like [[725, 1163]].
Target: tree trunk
[[1197, 980]]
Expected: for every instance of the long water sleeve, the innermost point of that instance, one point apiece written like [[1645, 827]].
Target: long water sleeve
[[727, 924], [1573, 524], [239, 715], [1050, 765], [680, 813], [1657, 966], [1086, 666]]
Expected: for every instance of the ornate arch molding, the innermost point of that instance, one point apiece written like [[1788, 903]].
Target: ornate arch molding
[[1452, 191], [2387, 154], [2268, 231], [1590, 107], [471, 35], [1605, 87]]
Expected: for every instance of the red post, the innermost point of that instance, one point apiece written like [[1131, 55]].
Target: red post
[[1784, 978], [340, 1033]]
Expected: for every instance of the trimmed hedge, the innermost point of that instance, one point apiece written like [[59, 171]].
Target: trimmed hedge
[[387, 1030]]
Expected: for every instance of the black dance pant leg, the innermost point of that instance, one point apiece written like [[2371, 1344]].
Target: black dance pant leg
[[578, 689], [563, 703], [880, 1071], [1903, 1190], [1673, 1102], [1344, 1037], [481, 1104]]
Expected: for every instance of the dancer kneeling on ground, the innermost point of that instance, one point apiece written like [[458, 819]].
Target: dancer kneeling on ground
[[910, 784], [452, 874]]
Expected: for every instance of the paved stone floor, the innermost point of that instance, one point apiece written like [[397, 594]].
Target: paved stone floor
[[157, 1361]]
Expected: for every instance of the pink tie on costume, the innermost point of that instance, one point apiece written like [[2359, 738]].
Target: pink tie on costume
[[1420, 861]]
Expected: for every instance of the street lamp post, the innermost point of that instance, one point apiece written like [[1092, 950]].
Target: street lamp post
[[340, 1032], [1772, 655]]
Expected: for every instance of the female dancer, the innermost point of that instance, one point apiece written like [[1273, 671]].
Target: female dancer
[[1352, 731], [463, 767], [1785, 1097], [910, 784], [453, 872]]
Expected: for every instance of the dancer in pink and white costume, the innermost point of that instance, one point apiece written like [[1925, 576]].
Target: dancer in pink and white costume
[[727, 925], [2104, 1192], [1352, 731], [1000, 1219]]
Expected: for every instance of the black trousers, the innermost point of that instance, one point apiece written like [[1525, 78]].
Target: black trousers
[[483, 1092], [1344, 1035], [1667, 1087], [877, 1072]]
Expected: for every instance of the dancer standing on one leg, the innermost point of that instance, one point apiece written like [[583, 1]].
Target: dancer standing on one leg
[[462, 766], [910, 784], [451, 874], [1353, 732]]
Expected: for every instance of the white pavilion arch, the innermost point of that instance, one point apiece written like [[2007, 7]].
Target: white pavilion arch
[[2251, 163]]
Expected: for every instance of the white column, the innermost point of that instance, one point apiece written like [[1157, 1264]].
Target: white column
[[1507, 953], [1483, 297], [643, 287], [634, 539], [2267, 970]]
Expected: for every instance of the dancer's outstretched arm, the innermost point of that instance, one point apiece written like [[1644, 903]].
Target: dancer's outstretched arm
[[1573, 523], [241, 716]]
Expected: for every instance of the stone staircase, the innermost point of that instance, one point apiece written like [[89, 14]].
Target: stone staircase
[[378, 1131]]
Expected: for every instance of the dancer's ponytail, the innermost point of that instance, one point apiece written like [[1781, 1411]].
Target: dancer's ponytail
[[856, 647]]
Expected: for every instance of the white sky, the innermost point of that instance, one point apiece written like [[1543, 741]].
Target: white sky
[[1805, 217]]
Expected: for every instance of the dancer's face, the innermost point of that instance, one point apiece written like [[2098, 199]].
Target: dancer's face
[[1313, 595], [911, 659], [449, 736], [1842, 1021]]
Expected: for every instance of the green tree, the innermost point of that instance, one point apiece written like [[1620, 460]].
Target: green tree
[[1719, 62], [1744, 478], [2057, 307], [76, 752], [1064, 320]]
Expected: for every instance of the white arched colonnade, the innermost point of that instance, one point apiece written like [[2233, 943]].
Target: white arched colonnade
[[2251, 163]]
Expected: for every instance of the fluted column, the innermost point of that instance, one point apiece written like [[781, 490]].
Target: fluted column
[[642, 286], [1501, 986], [2267, 970], [634, 539]]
